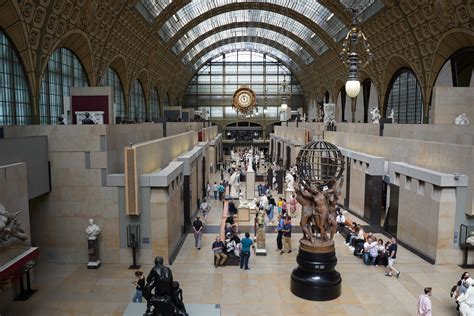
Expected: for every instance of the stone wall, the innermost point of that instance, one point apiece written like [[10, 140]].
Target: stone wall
[[120, 136], [156, 154], [79, 158], [449, 102], [167, 220], [357, 187], [447, 158]]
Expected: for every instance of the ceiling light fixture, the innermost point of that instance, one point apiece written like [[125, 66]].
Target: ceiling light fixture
[[350, 56], [329, 17]]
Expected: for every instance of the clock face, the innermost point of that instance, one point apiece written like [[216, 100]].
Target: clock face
[[244, 99]]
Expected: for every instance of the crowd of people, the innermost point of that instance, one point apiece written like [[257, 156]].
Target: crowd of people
[[372, 250], [232, 246], [463, 294]]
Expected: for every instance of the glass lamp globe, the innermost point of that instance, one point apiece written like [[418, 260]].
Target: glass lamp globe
[[352, 88], [284, 107]]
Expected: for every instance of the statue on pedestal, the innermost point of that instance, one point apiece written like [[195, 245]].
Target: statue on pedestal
[[93, 231], [163, 295], [320, 166], [260, 232]]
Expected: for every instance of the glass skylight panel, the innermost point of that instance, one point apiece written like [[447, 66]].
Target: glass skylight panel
[[360, 4], [150, 9], [250, 32], [252, 16], [311, 9], [368, 7], [255, 47]]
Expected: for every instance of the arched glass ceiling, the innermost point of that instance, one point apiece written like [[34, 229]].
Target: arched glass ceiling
[[150, 9], [254, 47], [311, 9], [251, 32], [267, 17]]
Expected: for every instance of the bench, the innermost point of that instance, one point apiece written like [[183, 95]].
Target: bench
[[230, 261]]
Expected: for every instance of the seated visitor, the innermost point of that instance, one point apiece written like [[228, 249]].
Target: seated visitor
[[353, 235], [228, 229], [382, 256], [360, 239], [219, 255], [366, 250], [373, 251], [230, 245], [232, 209], [340, 219]]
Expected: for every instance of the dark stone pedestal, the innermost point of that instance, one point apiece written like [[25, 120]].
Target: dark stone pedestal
[[315, 278]]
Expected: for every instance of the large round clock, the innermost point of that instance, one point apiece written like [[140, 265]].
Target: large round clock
[[244, 100]]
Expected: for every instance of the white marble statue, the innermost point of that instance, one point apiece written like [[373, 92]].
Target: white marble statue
[[462, 119], [329, 113], [253, 204], [243, 203], [264, 201], [375, 115], [249, 163], [93, 230], [11, 231], [470, 239], [290, 182], [235, 184], [392, 116]]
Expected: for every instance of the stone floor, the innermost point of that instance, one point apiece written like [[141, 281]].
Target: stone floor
[[68, 289], [71, 289]]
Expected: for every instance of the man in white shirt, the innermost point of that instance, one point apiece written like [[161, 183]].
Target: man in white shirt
[[367, 246], [340, 220]]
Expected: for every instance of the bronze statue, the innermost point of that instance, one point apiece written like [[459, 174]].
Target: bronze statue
[[305, 198], [163, 295], [318, 210]]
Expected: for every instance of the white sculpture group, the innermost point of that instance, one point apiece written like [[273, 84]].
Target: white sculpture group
[[11, 231], [375, 115], [462, 119], [234, 181], [290, 182], [329, 113]]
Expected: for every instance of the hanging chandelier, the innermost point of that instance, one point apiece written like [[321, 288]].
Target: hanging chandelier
[[355, 55], [285, 92]]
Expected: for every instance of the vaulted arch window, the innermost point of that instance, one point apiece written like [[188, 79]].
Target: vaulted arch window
[[154, 105], [137, 108], [15, 102], [405, 98], [64, 70], [112, 79]]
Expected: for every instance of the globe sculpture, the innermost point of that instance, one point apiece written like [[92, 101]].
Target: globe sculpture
[[319, 163], [320, 166]]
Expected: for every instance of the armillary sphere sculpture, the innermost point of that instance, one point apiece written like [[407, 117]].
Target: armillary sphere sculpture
[[320, 167]]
